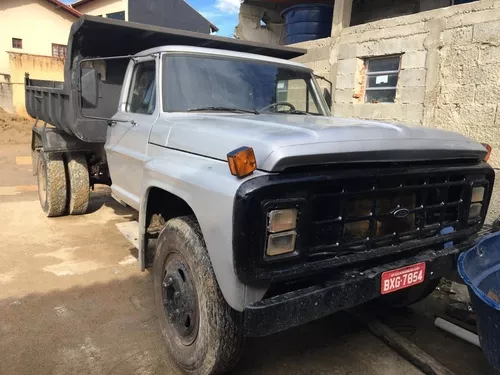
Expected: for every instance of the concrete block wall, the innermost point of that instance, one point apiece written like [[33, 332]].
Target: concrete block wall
[[449, 78], [318, 59], [6, 102]]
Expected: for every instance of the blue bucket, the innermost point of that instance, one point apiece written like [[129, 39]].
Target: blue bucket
[[479, 267]]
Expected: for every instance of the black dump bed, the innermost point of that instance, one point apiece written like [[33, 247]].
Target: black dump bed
[[58, 103]]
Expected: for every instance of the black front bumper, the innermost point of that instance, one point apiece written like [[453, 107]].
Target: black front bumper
[[347, 289]]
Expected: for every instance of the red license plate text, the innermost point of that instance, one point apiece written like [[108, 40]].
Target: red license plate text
[[402, 278]]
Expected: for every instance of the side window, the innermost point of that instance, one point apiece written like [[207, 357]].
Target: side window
[[297, 93], [142, 94]]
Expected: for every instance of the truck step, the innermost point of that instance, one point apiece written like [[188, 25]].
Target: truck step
[[130, 230]]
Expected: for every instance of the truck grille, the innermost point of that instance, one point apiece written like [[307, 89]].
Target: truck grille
[[362, 215]]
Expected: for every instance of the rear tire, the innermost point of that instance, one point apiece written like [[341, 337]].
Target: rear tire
[[78, 184], [409, 296], [51, 178], [203, 333]]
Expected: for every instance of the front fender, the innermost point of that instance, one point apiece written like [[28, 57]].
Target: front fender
[[207, 186]]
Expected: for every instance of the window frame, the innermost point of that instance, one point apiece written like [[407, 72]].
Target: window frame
[[15, 40], [131, 84], [60, 46], [369, 74]]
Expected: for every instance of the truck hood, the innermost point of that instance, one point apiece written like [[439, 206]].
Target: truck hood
[[282, 141]]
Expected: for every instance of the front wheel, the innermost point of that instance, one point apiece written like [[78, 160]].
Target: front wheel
[[203, 333]]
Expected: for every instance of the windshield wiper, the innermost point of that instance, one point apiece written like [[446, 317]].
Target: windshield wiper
[[298, 112], [224, 109]]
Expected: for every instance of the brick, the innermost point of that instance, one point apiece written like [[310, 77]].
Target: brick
[[459, 35], [322, 67], [489, 54], [347, 51], [367, 49], [488, 94], [457, 55], [487, 32], [345, 81], [486, 74], [473, 18], [478, 119], [457, 93], [393, 111], [343, 110], [390, 46], [347, 67], [414, 113], [412, 77], [374, 34], [414, 59], [344, 96], [316, 54], [370, 111], [414, 42], [411, 95]]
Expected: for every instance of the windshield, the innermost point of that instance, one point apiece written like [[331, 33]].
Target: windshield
[[199, 83]]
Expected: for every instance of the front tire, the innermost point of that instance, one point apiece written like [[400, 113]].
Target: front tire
[[51, 178], [78, 184], [203, 333]]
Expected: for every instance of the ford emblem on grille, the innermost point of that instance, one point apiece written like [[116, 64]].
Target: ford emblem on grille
[[401, 213]]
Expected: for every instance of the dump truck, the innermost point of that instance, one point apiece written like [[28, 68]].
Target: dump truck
[[257, 210]]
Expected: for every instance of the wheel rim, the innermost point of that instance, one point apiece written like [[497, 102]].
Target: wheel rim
[[42, 183], [180, 300]]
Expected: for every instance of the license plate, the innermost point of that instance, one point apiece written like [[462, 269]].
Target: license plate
[[402, 278]]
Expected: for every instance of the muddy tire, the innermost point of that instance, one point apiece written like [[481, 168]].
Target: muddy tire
[[203, 333], [78, 184], [51, 177], [409, 296]]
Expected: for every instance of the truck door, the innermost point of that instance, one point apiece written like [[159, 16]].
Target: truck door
[[127, 139]]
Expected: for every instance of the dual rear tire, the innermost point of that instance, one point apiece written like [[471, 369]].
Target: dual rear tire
[[63, 183]]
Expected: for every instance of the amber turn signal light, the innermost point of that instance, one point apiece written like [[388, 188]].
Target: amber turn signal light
[[242, 162], [488, 149]]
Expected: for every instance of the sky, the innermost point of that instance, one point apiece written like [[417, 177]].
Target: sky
[[222, 13]]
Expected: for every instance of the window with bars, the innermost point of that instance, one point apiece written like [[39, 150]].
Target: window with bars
[[59, 50], [17, 43], [382, 79]]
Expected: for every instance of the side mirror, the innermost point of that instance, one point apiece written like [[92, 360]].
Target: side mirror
[[328, 97], [89, 88]]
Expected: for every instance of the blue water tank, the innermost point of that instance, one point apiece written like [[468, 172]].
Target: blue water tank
[[307, 22]]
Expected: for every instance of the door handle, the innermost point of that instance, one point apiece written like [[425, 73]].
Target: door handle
[[111, 123]]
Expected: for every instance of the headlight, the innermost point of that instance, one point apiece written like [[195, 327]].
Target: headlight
[[477, 194], [281, 232], [281, 243], [475, 210], [281, 220]]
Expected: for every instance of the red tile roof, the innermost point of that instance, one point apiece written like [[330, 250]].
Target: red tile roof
[[66, 8]]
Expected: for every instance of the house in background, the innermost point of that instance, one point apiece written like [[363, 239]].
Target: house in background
[[434, 63], [34, 34], [176, 14], [33, 37]]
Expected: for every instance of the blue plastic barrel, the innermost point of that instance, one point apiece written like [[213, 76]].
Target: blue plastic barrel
[[479, 267], [307, 22]]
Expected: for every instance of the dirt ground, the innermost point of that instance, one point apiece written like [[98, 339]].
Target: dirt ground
[[14, 129], [73, 301]]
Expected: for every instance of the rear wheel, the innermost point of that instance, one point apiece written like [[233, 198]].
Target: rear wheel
[[409, 296], [51, 177], [78, 184], [203, 333]]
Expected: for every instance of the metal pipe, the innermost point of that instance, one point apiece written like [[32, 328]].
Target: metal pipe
[[455, 330]]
